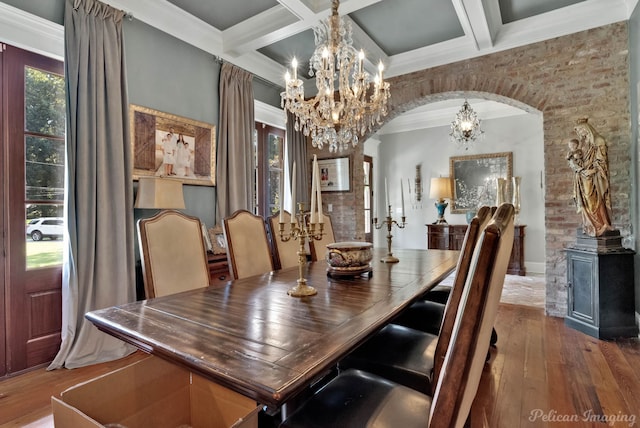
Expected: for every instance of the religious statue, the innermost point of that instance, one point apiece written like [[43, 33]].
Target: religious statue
[[588, 158]]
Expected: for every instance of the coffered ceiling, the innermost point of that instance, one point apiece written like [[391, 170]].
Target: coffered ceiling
[[262, 36]]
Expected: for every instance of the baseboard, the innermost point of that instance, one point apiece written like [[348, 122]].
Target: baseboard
[[535, 268]]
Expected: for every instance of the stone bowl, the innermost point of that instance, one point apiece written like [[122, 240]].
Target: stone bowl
[[349, 257]]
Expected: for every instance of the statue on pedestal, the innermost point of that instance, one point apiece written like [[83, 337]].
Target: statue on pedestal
[[588, 158]]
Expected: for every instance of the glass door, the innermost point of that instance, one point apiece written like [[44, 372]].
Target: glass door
[[34, 143]]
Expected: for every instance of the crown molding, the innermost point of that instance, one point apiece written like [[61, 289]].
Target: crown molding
[[269, 114], [27, 31]]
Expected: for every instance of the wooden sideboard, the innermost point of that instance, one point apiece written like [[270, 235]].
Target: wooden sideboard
[[218, 269], [451, 236]]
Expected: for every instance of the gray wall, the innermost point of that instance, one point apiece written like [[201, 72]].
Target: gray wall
[[169, 75], [53, 10]]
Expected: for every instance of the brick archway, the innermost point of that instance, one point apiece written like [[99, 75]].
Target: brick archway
[[581, 75]]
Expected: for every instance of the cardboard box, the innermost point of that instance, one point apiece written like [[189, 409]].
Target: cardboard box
[[153, 393]]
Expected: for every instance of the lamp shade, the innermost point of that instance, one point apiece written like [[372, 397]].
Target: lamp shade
[[440, 188], [155, 192]]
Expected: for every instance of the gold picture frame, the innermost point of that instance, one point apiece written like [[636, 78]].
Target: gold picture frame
[[170, 146], [473, 179], [218, 243]]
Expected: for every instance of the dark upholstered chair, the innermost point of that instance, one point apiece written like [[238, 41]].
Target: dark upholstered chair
[[406, 355], [428, 315], [359, 399], [172, 253], [248, 249], [285, 253], [318, 249]]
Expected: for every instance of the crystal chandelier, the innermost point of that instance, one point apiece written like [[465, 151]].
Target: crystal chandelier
[[465, 129], [331, 118]]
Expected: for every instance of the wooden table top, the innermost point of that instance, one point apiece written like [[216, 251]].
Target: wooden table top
[[254, 338]]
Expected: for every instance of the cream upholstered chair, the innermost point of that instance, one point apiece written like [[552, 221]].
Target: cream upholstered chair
[[356, 398], [285, 253], [172, 253], [318, 248], [248, 249]]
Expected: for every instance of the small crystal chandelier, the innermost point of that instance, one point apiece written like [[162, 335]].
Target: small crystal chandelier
[[465, 129], [330, 118]]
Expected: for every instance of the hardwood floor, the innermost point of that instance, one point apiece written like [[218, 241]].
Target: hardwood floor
[[542, 374]]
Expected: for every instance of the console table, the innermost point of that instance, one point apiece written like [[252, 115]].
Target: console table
[[451, 236]]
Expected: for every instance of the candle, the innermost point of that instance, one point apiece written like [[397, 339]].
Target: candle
[[294, 65], [319, 195], [314, 181], [293, 193], [375, 208], [281, 196], [386, 194], [402, 197], [361, 59]]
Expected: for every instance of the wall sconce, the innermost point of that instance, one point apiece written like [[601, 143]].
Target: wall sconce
[[418, 183]]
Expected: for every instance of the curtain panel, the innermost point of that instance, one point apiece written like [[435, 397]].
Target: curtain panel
[[99, 259], [235, 159]]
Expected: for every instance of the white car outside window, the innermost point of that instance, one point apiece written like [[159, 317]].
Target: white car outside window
[[45, 227]]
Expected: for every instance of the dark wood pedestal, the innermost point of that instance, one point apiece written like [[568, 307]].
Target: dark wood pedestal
[[600, 289]]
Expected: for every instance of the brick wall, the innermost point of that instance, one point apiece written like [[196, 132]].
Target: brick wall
[[583, 74]]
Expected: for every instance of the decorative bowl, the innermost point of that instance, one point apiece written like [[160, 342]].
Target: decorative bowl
[[349, 256]]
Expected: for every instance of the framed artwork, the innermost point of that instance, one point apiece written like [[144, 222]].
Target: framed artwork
[[474, 179], [335, 174], [171, 146], [218, 243]]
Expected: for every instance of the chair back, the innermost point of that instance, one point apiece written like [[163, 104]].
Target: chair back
[[465, 357], [474, 231], [172, 253], [285, 253], [318, 248], [248, 250]]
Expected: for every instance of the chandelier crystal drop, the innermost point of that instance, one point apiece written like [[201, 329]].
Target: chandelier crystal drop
[[465, 129], [336, 118]]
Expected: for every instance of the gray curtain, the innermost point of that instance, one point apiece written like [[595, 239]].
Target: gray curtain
[[235, 161], [99, 262], [297, 151]]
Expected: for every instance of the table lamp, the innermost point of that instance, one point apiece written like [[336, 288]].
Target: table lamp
[[159, 193], [440, 189]]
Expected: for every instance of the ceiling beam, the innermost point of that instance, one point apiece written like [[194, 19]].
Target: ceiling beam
[[474, 22], [172, 20], [561, 22], [280, 22]]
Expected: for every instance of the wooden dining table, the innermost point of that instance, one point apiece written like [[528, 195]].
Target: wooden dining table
[[252, 337]]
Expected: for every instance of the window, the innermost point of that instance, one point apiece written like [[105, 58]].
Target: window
[[269, 161], [44, 153]]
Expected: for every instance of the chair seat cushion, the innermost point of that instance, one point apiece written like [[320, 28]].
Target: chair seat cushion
[[398, 353], [359, 399], [423, 315], [439, 294]]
